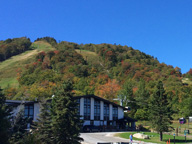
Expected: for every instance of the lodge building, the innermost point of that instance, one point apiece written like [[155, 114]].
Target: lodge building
[[93, 110]]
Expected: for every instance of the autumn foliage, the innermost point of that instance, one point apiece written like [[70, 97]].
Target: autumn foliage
[[113, 67], [109, 90]]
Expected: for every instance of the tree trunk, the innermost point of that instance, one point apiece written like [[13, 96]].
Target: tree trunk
[[161, 135]]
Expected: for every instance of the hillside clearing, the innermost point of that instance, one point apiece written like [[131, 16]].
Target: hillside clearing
[[8, 74], [89, 56], [15, 59], [187, 81]]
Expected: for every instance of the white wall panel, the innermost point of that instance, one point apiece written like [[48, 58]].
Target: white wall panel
[[36, 111], [92, 108], [102, 110], [120, 113], [110, 112], [82, 107]]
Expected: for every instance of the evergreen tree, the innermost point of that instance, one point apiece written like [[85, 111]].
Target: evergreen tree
[[5, 115], [19, 128], [43, 127], [126, 95], [30, 138], [142, 96], [160, 110], [65, 120]]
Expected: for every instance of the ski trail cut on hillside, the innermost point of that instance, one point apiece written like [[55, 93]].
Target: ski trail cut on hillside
[[17, 58]]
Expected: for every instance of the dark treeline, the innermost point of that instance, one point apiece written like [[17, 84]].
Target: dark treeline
[[15, 46], [50, 40]]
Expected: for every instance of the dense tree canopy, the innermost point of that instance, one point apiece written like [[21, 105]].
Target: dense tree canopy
[[93, 68], [11, 47]]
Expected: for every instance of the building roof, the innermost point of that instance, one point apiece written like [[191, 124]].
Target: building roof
[[18, 102], [99, 98]]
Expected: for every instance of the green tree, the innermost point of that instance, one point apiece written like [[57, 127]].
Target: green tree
[[43, 129], [65, 120], [31, 138], [127, 97], [160, 110], [186, 107], [5, 115], [142, 94], [19, 128], [142, 97]]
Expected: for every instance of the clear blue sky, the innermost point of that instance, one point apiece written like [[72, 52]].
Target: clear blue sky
[[161, 28]]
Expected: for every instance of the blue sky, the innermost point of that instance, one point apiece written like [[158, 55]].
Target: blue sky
[[161, 28]]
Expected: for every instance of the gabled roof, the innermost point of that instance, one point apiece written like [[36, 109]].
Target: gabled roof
[[18, 102], [101, 99]]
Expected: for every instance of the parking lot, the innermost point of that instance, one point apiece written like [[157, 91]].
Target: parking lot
[[103, 137]]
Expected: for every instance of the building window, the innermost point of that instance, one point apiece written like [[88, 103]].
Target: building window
[[91, 122], [97, 110], [87, 106], [106, 111], [115, 113], [29, 110], [78, 106]]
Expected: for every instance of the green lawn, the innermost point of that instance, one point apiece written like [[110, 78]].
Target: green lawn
[[182, 127], [154, 138], [175, 124]]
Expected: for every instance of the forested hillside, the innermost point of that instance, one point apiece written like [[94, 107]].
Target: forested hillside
[[109, 71], [16, 63], [11, 47]]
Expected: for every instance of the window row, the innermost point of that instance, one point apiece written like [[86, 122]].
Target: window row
[[97, 110], [29, 110]]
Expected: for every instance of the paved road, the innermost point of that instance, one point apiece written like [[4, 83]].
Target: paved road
[[93, 138]]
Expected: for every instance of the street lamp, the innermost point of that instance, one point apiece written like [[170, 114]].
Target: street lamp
[[174, 138]]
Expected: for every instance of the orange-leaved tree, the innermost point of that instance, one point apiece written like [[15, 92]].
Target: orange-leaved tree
[[108, 90]]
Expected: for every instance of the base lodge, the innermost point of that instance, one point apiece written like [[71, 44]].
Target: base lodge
[[93, 110]]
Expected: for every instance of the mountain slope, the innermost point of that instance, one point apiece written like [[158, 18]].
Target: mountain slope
[[9, 67], [105, 70]]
